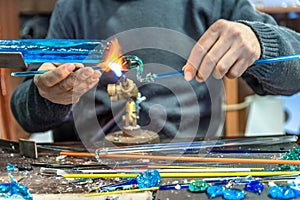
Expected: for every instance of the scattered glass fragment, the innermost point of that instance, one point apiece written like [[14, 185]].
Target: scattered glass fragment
[[295, 182], [11, 167], [117, 186], [148, 179], [215, 191], [283, 192], [198, 186], [234, 194], [292, 154], [14, 189], [254, 186]]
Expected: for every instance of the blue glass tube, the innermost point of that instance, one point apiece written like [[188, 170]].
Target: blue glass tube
[[151, 77], [179, 147], [168, 74], [56, 50], [28, 73], [277, 59]]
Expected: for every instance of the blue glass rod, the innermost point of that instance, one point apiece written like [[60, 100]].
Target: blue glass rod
[[261, 61], [28, 73], [278, 59]]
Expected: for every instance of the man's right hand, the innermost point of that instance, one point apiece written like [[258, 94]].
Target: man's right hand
[[61, 85]]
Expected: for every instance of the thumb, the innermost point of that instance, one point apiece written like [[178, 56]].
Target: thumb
[[189, 71]]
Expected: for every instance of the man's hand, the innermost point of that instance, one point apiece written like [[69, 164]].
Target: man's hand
[[226, 48], [63, 86]]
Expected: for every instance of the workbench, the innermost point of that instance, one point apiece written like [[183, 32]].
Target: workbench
[[57, 187]]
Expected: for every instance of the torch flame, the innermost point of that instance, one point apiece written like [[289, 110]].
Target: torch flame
[[112, 60]]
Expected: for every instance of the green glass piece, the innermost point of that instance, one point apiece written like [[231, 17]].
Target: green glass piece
[[292, 154], [198, 186], [134, 62]]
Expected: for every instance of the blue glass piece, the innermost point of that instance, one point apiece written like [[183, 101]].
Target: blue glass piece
[[254, 186], [198, 186], [10, 167], [215, 191], [115, 186], [283, 192], [148, 179], [234, 194], [14, 189], [293, 15], [57, 50]]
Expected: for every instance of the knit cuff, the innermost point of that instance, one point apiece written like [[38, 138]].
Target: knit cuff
[[58, 109]]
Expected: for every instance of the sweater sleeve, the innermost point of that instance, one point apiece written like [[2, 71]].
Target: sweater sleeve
[[33, 112], [276, 78], [61, 23], [275, 40]]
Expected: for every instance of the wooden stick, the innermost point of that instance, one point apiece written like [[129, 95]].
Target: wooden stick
[[77, 154], [198, 167], [86, 154], [203, 159], [187, 175]]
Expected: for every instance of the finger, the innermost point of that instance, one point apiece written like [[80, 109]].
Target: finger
[[84, 73], [237, 69], [83, 87], [228, 61], [223, 65], [194, 60], [84, 76], [198, 52], [57, 75], [87, 73], [211, 59], [235, 62], [47, 66], [189, 71], [89, 82], [38, 80], [79, 65]]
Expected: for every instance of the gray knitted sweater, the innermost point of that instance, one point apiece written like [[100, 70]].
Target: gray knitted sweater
[[162, 33]]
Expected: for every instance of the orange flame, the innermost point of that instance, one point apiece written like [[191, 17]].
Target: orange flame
[[112, 60]]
